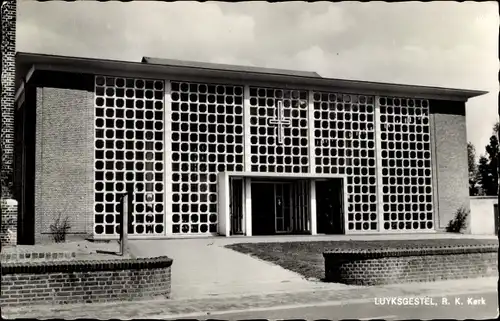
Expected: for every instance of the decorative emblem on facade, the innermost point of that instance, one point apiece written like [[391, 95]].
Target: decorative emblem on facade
[[280, 121]]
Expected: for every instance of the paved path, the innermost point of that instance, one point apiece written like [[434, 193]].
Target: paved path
[[203, 267], [164, 309]]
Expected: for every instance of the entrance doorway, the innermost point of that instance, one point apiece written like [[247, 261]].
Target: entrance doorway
[[279, 207], [329, 206]]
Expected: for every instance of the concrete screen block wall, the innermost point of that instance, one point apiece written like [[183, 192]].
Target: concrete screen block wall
[[64, 159], [404, 157]]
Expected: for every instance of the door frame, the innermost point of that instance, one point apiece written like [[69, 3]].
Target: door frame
[[338, 189], [223, 197], [275, 183], [231, 207]]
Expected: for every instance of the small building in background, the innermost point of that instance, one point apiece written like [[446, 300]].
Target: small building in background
[[484, 215]]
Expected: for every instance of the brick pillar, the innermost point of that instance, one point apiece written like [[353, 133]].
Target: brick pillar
[[8, 231]]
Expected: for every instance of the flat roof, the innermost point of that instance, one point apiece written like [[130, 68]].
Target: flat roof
[[28, 64], [213, 66]]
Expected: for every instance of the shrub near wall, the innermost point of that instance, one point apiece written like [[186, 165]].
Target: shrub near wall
[[380, 266], [64, 282]]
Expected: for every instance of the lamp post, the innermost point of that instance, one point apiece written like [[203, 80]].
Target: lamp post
[[124, 228]]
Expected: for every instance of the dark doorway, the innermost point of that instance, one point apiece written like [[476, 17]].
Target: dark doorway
[[236, 205], [263, 209], [329, 206], [25, 167]]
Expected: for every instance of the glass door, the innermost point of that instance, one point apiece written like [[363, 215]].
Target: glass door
[[283, 208], [236, 205]]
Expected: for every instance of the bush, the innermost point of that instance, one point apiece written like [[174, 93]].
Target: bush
[[59, 229], [459, 223]]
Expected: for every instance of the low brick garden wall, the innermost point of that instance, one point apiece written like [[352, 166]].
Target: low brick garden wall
[[84, 281], [36, 256], [387, 266]]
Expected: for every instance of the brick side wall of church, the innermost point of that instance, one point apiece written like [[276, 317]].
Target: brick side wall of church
[[64, 159], [450, 158]]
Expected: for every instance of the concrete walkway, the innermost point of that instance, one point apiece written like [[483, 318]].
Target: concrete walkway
[[204, 268]]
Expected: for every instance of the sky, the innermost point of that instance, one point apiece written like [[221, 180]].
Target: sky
[[445, 44]]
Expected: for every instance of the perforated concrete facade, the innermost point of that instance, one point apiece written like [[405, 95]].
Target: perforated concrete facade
[[206, 133], [381, 144], [129, 154], [406, 164], [344, 143], [170, 138], [279, 130], [205, 136]]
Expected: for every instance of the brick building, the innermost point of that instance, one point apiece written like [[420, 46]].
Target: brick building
[[225, 150], [8, 205]]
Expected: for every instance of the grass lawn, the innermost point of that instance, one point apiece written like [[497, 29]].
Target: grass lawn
[[306, 258]]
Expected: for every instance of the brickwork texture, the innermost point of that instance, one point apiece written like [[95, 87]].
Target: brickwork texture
[[8, 11], [68, 282], [8, 228], [450, 163], [64, 159], [36, 256], [418, 265], [8, 232]]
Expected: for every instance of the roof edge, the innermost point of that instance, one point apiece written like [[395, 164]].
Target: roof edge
[[117, 67]]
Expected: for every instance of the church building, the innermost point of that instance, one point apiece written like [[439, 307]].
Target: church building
[[211, 149]]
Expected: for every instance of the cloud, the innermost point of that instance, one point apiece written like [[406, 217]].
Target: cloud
[[332, 21], [313, 58], [131, 30]]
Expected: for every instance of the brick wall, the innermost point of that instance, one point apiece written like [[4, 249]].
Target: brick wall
[[64, 159], [450, 159], [8, 228], [404, 266], [8, 212], [8, 12], [85, 281]]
